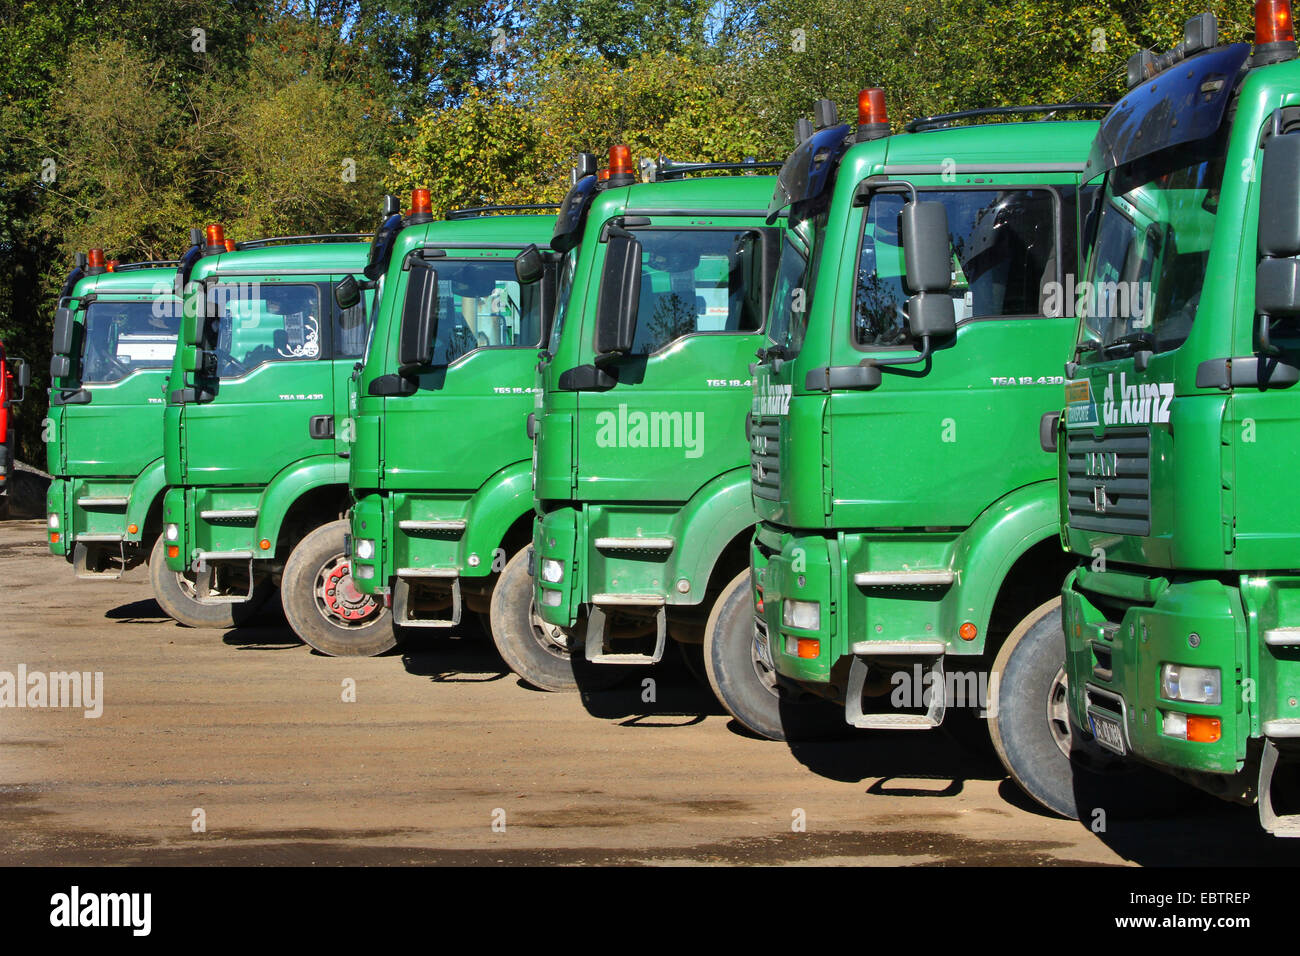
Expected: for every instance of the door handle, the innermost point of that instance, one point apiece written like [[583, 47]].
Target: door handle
[[321, 426]]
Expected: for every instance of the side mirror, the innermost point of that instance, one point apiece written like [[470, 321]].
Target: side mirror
[[927, 256], [930, 314], [419, 328], [1279, 198], [620, 295], [347, 293], [63, 328], [529, 265], [60, 367], [22, 376]]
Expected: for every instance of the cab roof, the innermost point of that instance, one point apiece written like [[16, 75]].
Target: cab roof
[[129, 281], [320, 258], [513, 229], [1034, 143]]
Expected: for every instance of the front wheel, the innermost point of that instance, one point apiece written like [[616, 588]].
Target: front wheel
[[546, 656], [1043, 750], [175, 594], [324, 607], [744, 681]]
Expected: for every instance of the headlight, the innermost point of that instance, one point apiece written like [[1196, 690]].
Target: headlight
[[173, 532], [1197, 685], [552, 598], [54, 521], [552, 571], [365, 549], [806, 615]]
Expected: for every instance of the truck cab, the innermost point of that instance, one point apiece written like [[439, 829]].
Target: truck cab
[[254, 457], [115, 329], [1180, 628], [15, 376], [907, 504], [440, 464], [639, 478]]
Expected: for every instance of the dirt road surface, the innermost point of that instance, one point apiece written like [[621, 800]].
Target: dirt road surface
[[444, 757]]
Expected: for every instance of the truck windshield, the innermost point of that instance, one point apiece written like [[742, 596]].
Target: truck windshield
[[124, 336], [480, 305], [1152, 247], [697, 280], [1003, 253]]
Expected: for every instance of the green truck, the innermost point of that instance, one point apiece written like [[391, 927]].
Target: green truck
[[439, 464], [1179, 629], [254, 457], [907, 507], [640, 479], [113, 345]]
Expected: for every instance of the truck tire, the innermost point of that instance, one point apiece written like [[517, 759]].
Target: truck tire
[[322, 605], [1046, 754], [745, 686], [545, 656], [174, 593]]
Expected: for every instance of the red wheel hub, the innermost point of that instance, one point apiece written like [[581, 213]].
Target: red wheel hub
[[342, 597]]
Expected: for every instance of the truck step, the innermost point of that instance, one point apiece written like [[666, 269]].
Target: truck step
[[99, 557], [899, 648], [936, 578], [450, 526], [1282, 637], [208, 579], [1279, 824], [1282, 727], [859, 670], [402, 610], [91, 503], [596, 650], [896, 722], [654, 545], [229, 514]]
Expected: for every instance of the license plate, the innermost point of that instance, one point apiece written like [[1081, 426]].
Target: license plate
[[1109, 733]]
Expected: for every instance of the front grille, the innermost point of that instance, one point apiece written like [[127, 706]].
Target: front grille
[[1109, 481], [764, 462]]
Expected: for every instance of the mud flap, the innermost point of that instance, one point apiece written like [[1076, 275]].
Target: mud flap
[[211, 575], [1278, 824]]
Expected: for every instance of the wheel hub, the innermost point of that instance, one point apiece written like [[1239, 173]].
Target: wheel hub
[[553, 638], [339, 597]]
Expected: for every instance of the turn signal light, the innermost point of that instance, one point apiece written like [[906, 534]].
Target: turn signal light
[[968, 631], [132, 529], [264, 545], [809, 648], [173, 551], [54, 537], [1204, 730]]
